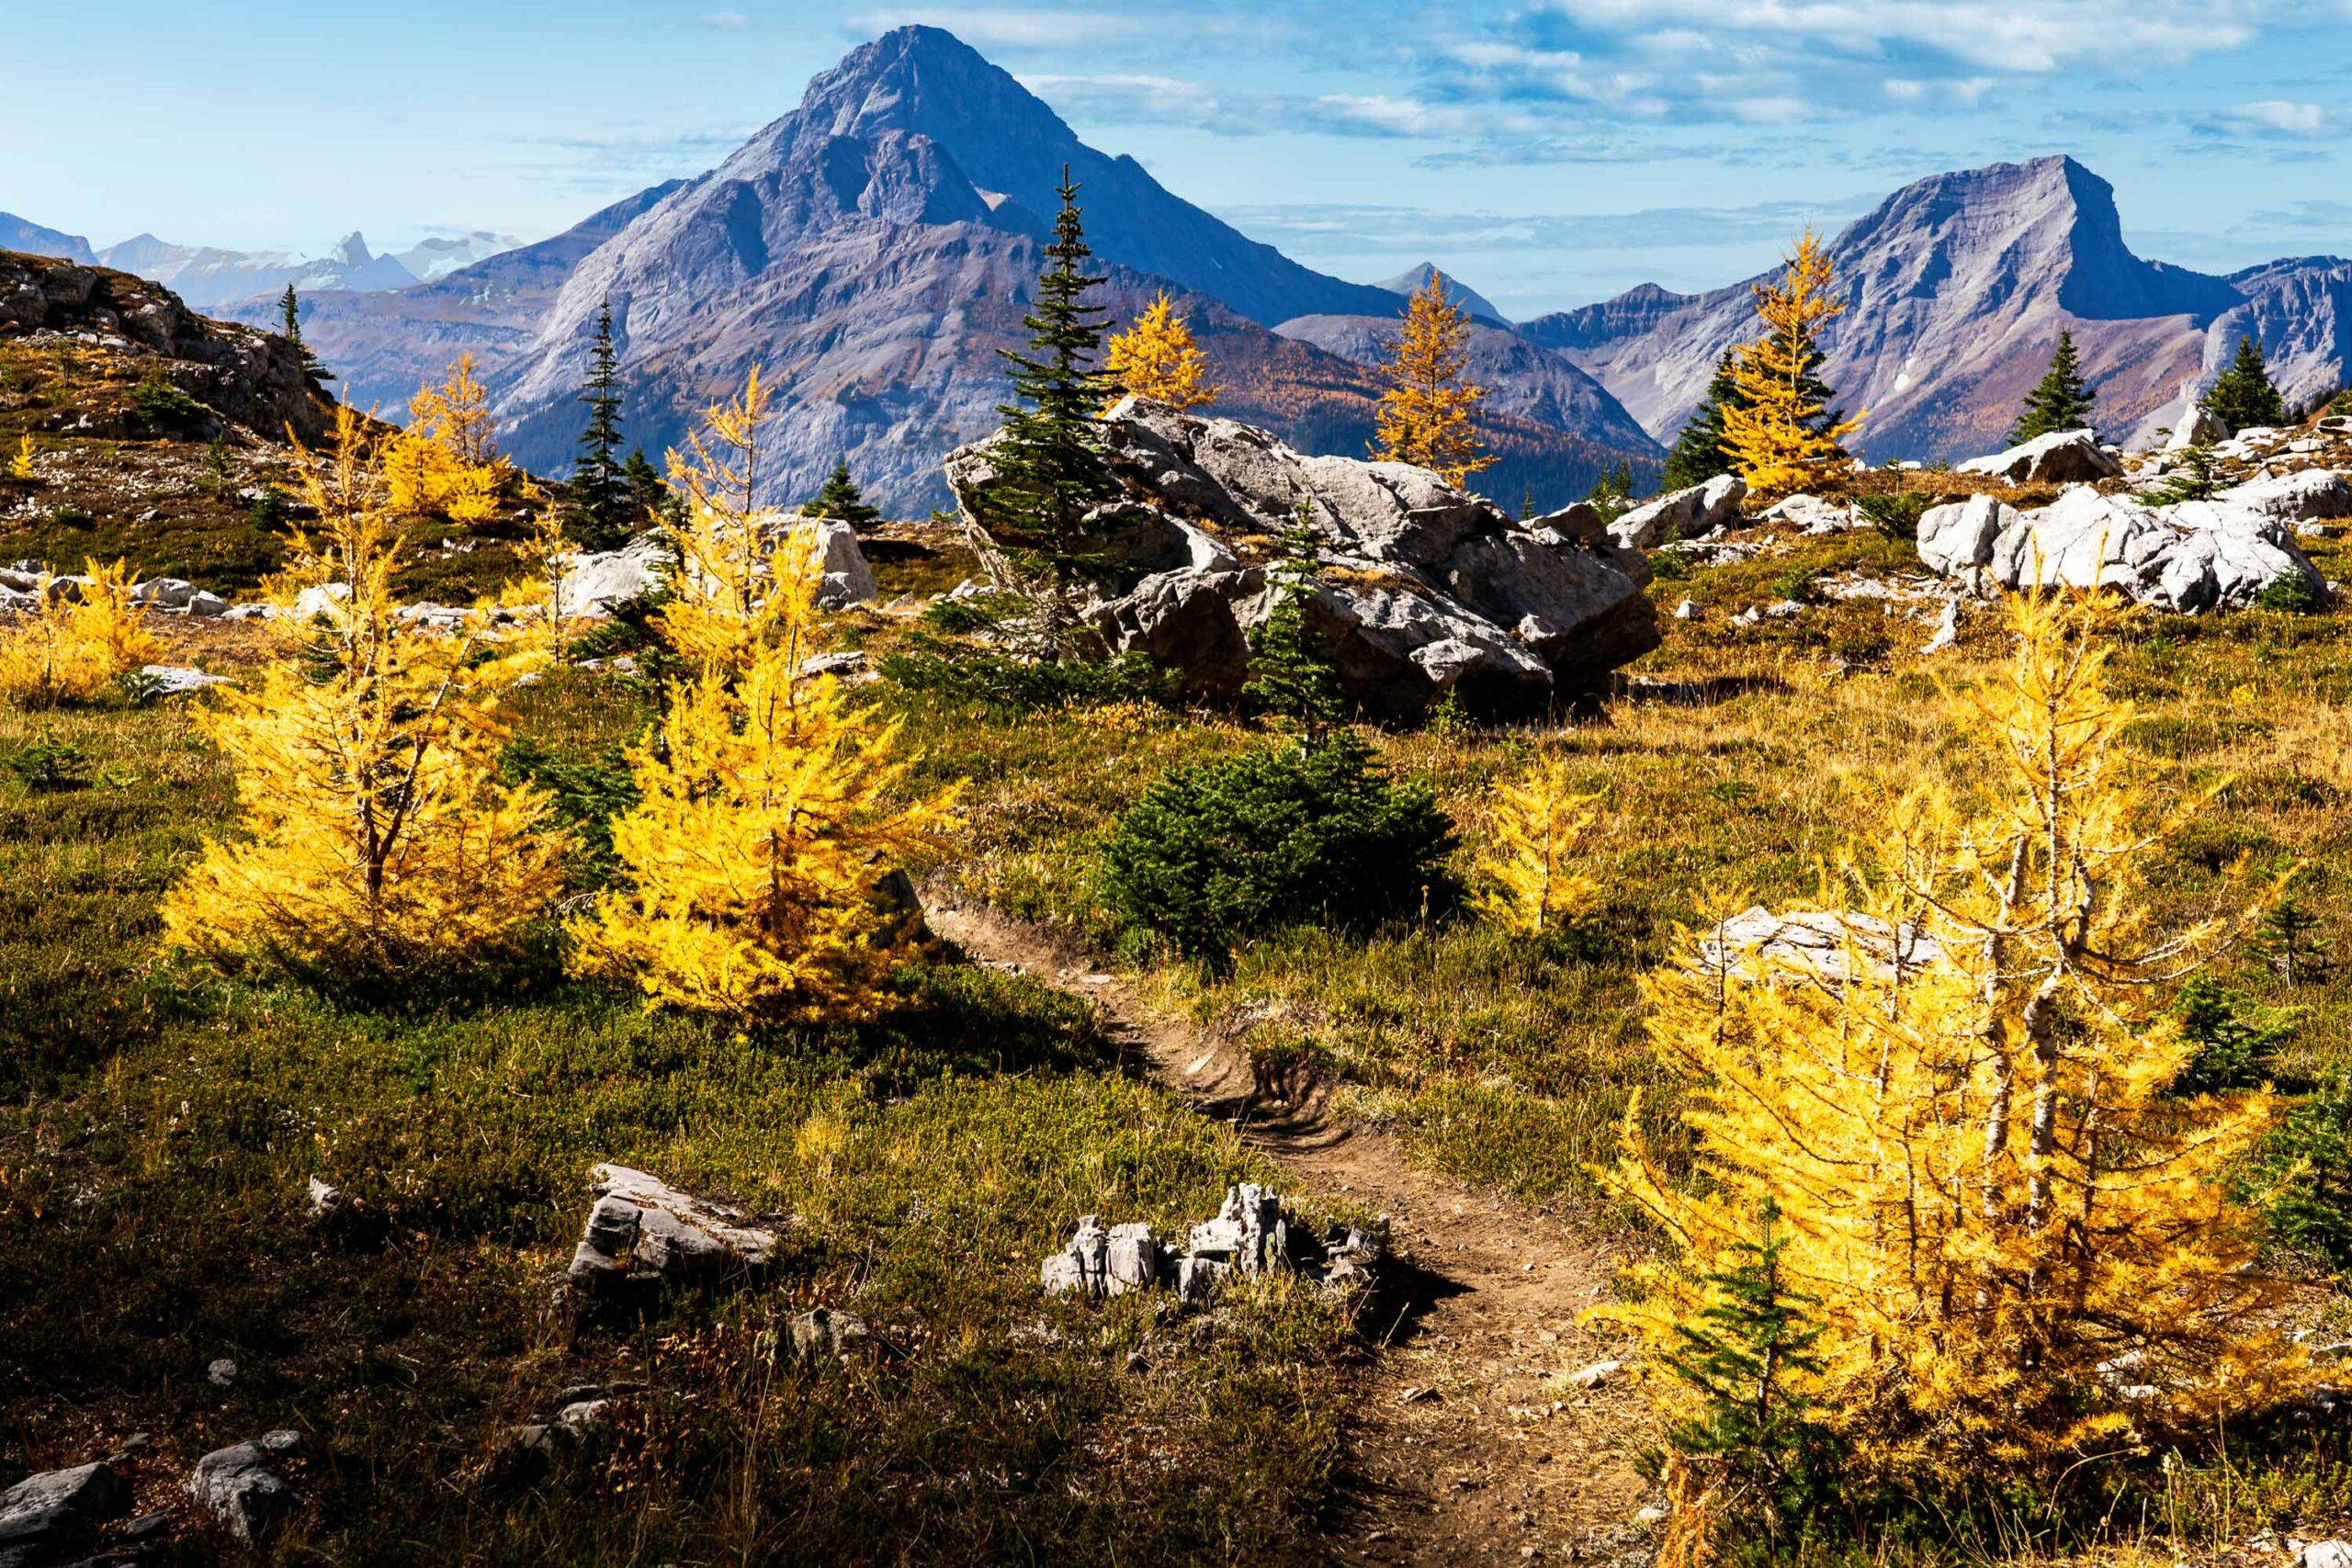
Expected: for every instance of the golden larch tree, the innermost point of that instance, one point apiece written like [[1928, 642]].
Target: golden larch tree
[[20, 467], [1157, 359], [1776, 428], [1426, 416], [770, 815], [82, 636], [1538, 826], [373, 835], [2003, 1212], [446, 464]]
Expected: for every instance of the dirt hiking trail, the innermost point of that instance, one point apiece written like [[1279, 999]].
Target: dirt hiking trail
[[1472, 1440]]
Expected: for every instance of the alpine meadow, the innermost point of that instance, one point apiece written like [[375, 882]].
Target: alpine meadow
[[904, 852]]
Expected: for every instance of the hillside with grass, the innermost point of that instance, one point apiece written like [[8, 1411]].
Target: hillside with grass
[[1214, 1004]]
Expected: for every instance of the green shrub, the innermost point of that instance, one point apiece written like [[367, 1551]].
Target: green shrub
[[2302, 1175], [1669, 566], [1896, 516], [46, 767], [2293, 594], [2236, 1041], [1226, 849], [588, 795], [1796, 583], [961, 617], [157, 402], [1027, 685]]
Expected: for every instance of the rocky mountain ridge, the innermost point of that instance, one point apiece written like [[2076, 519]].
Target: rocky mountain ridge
[[872, 251], [1957, 288]]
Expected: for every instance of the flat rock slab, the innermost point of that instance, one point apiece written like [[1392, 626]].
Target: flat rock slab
[[50, 1513]]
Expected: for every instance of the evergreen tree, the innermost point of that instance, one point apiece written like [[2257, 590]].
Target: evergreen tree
[[2244, 396], [841, 501], [648, 493], [1698, 453], [600, 491], [2289, 937], [1049, 459], [1297, 689], [2061, 401], [290, 317], [1748, 1353]]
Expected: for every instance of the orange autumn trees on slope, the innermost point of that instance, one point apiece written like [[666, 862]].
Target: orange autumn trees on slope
[[1965, 1128]]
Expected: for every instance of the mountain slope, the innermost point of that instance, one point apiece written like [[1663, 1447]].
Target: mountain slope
[[871, 252], [22, 234], [1521, 379], [1957, 288]]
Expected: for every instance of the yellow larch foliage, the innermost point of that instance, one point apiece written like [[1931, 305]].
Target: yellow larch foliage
[[1425, 415], [446, 464], [1157, 359], [771, 816], [729, 558], [1964, 1116], [374, 835], [20, 467], [1538, 826], [84, 635], [1774, 432]]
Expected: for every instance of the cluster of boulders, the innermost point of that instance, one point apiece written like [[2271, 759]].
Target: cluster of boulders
[[1419, 590], [2189, 557], [23, 584], [1249, 1235], [53, 1517], [594, 581], [645, 1237]]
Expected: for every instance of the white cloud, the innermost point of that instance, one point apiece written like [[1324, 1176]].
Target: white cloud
[[2284, 118], [2014, 36]]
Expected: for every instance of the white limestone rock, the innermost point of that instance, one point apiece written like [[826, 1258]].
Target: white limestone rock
[[2063, 457]]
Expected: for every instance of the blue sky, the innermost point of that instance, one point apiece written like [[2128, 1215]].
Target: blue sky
[[1548, 152]]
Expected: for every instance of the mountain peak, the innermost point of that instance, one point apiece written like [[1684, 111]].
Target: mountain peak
[[1457, 294], [350, 250], [928, 81]]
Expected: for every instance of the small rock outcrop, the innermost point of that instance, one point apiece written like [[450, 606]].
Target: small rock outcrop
[[238, 1488], [644, 1235], [1823, 943], [44, 1517], [2189, 559], [827, 1334], [1423, 589], [2063, 457], [2307, 495], [1681, 515], [1250, 1234]]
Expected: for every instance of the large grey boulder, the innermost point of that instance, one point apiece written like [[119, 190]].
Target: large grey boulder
[[644, 1235], [45, 1516], [1423, 589], [1681, 515], [2063, 457], [2191, 557], [2202, 427], [2308, 495], [237, 1487]]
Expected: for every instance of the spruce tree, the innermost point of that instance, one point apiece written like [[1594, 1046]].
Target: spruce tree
[[1297, 690], [1746, 1353], [1698, 454], [841, 501], [2061, 401], [1049, 461], [599, 491], [290, 317], [2244, 396]]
